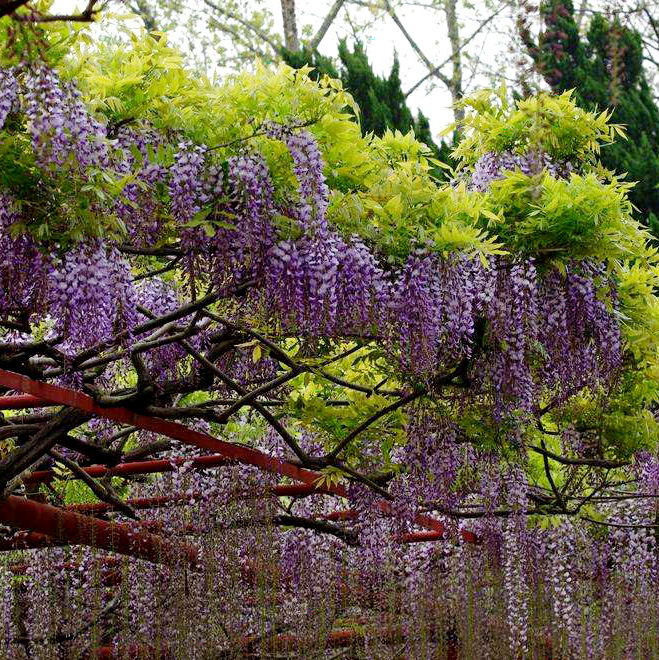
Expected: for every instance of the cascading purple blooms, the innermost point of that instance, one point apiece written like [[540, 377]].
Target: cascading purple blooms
[[512, 329], [579, 334], [22, 266], [7, 605], [159, 298], [59, 123], [91, 294], [433, 459], [186, 191], [492, 167], [515, 569], [562, 549], [138, 207], [45, 106], [559, 323], [431, 313], [245, 203], [8, 93], [186, 185], [308, 167], [323, 284]]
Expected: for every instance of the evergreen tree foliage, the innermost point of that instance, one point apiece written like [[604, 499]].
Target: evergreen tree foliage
[[605, 69], [381, 100]]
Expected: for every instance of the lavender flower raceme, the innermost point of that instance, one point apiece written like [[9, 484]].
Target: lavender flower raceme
[[60, 125], [492, 166], [8, 93], [22, 266], [517, 592], [91, 294], [308, 167]]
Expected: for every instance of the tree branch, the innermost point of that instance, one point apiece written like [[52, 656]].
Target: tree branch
[[234, 17], [103, 493], [322, 30], [415, 46], [41, 443], [473, 35], [269, 417], [594, 462], [322, 526], [8, 7], [368, 422], [88, 15]]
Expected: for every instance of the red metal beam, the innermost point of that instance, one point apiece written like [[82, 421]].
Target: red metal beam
[[73, 528], [21, 401], [28, 541], [298, 490], [136, 467], [437, 529], [64, 396], [67, 397]]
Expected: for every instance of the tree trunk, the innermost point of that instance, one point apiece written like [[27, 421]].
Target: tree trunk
[[290, 25], [454, 39]]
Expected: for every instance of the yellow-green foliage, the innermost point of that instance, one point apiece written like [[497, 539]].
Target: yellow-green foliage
[[381, 189], [552, 123]]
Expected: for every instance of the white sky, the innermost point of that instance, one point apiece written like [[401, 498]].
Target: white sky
[[428, 29], [381, 41]]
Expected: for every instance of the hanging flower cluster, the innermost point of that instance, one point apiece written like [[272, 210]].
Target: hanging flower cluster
[[493, 166], [91, 294]]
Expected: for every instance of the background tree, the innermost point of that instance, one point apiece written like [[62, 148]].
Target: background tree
[[605, 67], [381, 101], [231, 33]]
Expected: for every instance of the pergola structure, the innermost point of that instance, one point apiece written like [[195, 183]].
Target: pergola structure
[[37, 524]]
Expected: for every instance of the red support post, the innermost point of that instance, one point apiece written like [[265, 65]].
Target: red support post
[[74, 528]]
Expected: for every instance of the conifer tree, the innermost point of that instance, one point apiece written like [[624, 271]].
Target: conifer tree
[[605, 69], [381, 100]]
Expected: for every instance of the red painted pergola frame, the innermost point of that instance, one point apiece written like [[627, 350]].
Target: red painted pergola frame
[[46, 525], [45, 519]]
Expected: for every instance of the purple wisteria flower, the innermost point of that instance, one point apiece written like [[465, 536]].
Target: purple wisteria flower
[[91, 294], [8, 93], [308, 166], [493, 166]]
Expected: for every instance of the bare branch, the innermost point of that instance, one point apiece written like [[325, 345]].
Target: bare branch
[[415, 46], [8, 7], [102, 492], [88, 15], [594, 462], [143, 10], [21, 459], [321, 526], [462, 46], [235, 17], [322, 30], [368, 422]]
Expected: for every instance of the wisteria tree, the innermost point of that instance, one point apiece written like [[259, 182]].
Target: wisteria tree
[[277, 390]]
